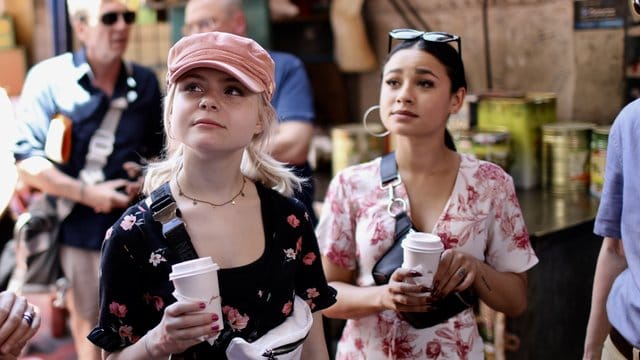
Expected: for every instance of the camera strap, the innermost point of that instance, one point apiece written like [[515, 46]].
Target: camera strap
[[100, 147]]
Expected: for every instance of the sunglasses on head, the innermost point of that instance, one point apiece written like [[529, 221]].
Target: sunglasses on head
[[433, 36], [110, 18]]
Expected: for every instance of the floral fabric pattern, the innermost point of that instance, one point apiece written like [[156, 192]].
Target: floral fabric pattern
[[137, 260], [482, 218]]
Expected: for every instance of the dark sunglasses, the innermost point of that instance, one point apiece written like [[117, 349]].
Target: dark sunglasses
[[110, 18], [434, 36], [636, 6]]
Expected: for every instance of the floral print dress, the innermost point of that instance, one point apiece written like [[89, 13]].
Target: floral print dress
[[135, 287], [481, 218]]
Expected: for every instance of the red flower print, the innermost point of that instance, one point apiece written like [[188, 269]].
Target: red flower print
[[434, 348], [359, 344], [309, 258], [286, 308], [299, 244], [400, 348], [237, 321], [293, 221], [310, 304], [379, 233], [118, 310], [158, 303], [125, 331], [472, 194], [108, 233], [339, 257], [448, 241], [128, 222], [312, 293], [521, 240]]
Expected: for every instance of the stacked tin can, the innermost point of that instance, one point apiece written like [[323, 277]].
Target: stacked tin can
[[565, 157], [599, 140]]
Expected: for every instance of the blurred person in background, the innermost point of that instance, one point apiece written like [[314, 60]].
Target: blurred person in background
[[7, 167], [613, 330], [19, 320], [100, 174], [293, 98]]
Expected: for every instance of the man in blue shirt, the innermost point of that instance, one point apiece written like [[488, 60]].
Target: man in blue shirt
[[94, 181], [293, 98], [613, 331]]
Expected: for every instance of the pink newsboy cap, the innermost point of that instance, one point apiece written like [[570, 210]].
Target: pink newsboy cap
[[236, 55]]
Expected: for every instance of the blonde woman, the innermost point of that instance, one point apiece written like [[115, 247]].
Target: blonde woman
[[234, 200]]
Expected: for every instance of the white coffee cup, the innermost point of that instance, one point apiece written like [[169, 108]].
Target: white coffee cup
[[197, 281], [421, 252]]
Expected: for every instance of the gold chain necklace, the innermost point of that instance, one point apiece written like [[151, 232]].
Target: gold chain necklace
[[195, 201]]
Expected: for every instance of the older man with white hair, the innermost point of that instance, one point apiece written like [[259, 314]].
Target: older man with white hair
[[110, 112]]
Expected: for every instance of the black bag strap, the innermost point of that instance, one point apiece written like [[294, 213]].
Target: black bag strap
[[389, 175], [165, 210]]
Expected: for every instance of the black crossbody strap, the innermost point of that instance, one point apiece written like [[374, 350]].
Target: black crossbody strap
[[388, 174], [388, 168], [164, 209]]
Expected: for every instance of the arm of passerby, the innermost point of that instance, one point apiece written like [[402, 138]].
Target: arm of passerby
[[181, 327], [611, 262], [291, 142], [19, 322], [40, 173]]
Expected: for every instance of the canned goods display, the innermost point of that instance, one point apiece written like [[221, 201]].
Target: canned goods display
[[599, 139], [565, 157], [492, 145]]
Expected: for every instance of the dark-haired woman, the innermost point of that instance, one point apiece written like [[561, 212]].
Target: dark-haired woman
[[470, 204]]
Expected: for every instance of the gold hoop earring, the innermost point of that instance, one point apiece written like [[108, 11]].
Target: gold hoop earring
[[364, 122]]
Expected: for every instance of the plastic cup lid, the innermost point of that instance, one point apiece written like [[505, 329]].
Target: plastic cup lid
[[193, 267]]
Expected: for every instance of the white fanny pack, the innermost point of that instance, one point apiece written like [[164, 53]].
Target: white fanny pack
[[284, 342]]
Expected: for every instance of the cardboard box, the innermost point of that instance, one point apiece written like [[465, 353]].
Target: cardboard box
[[13, 63]]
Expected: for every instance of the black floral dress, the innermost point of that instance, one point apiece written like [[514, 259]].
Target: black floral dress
[[135, 287]]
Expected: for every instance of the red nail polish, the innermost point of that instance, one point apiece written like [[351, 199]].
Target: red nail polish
[[203, 305], [214, 317], [215, 327]]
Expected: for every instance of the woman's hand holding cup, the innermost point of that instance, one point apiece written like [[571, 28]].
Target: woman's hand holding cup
[[183, 325], [404, 295]]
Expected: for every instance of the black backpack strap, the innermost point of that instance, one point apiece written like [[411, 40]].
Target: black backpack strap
[[165, 210]]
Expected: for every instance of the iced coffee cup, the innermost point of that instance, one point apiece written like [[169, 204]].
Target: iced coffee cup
[[421, 252], [197, 281]]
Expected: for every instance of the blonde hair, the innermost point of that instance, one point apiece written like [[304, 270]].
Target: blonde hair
[[257, 164]]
